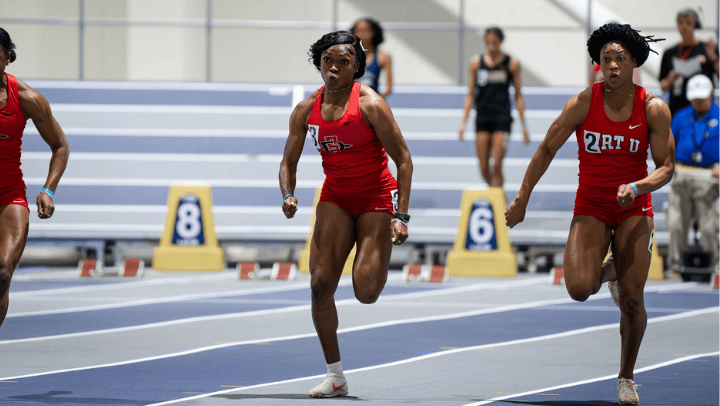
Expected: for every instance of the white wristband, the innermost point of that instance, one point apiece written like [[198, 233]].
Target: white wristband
[[400, 221]]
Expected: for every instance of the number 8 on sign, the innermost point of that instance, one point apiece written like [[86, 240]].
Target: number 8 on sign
[[481, 227], [188, 223]]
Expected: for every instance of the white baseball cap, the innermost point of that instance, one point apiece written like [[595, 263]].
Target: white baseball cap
[[699, 87]]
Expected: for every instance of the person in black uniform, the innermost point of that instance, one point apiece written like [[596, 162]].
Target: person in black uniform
[[686, 59], [489, 91]]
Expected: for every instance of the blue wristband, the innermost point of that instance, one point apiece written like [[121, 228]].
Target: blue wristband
[[634, 189], [48, 191], [287, 195]]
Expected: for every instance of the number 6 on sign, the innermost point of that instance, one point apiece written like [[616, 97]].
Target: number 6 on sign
[[481, 227], [482, 246]]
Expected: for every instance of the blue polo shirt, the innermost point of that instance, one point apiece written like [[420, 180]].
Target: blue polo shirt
[[693, 133]]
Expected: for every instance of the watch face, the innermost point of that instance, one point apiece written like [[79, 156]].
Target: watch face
[[403, 216]]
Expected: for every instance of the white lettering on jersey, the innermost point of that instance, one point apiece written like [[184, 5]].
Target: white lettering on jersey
[[606, 142], [596, 143], [618, 140], [634, 145]]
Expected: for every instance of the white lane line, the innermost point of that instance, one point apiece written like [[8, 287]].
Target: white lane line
[[340, 331], [346, 302], [499, 309], [144, 302], [475, 348], [602, 378], [199, 296], [113, 286], [170, 323]]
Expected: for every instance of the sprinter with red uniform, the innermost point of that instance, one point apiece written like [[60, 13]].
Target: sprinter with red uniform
[[19, 102], [615, 122], [357, 177], [352, 127]]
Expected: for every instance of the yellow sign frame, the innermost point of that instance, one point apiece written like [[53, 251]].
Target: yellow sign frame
[[500, 262], [207, 257]]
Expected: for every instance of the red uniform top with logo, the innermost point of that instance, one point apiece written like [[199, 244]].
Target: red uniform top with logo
[[357, 177], [12, 125], [611, 154]]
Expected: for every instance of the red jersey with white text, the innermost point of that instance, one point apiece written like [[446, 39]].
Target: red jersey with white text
[[349, 147], [12, 125], [613, 153]]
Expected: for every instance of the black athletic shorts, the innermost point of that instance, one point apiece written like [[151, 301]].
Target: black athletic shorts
[[492, 125]]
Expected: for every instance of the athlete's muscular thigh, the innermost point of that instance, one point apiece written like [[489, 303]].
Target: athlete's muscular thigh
[[333, 238], [373, 255], [587, 246], [632, 252], [14, 220]]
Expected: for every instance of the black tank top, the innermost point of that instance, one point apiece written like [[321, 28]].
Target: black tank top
[[492, 90]]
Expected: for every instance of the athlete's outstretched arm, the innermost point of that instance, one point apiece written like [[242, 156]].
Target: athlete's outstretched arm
[[291, 155], [37, 108], [662, 149], [516, 70], [377, 114], [573, 114], [385, 61]]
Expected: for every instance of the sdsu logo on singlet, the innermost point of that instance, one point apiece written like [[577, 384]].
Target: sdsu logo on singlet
[[596, 142], [329, 143]]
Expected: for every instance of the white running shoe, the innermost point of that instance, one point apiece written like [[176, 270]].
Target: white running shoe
[[627, 392], [614, 292], [331, 386]]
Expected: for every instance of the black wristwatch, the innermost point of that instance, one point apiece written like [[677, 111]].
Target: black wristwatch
[[404, 217]]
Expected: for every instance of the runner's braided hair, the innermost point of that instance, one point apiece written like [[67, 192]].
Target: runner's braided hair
[[638, 45]]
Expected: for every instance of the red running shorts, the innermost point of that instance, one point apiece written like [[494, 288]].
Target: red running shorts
[[14, 195], [601, 203], [376, 192]]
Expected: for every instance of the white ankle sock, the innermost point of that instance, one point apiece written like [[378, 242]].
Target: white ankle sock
[[335, 368]]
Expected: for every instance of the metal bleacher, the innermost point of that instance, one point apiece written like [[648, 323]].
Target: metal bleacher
[[130, 141]]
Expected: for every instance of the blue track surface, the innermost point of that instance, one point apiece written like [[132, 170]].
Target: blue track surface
[[659, 387], [176, 377], [26, 286], [66, 323]]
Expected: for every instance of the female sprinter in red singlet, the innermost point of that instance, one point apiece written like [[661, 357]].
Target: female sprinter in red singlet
[[615, 122], [19, 102], [361, 202]]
